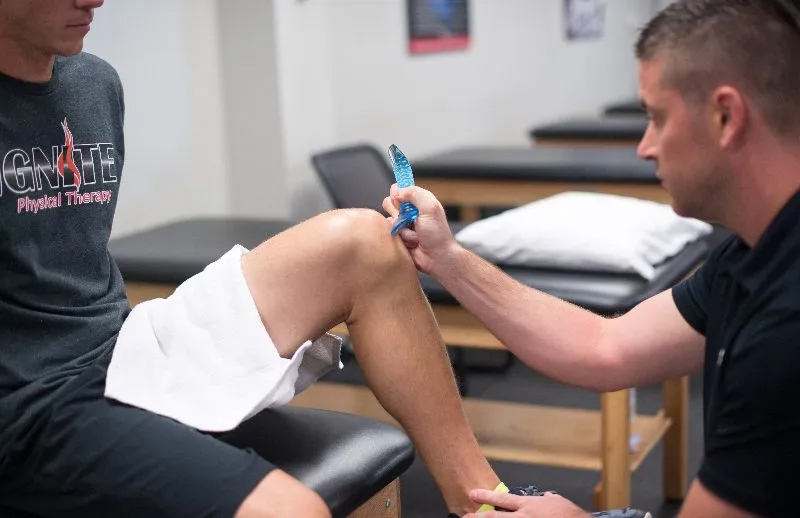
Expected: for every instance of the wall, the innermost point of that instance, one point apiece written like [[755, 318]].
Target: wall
[[305, 34], [519, 72], [227, 99], [347, 77], [252, 98], [167, 55]]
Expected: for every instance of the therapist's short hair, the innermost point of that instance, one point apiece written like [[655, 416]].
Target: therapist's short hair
[[751, 45]]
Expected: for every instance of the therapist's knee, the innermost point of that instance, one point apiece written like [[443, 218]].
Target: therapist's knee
[[279, 495]]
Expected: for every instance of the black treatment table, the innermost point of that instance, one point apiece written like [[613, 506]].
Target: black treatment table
[[155, 261], [471, 178], [620, 130], [626, 107]]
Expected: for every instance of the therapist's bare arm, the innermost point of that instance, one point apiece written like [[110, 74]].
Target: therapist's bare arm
[[650, 343]]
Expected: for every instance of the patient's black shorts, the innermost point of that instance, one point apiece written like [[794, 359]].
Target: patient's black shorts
[[86, 456]]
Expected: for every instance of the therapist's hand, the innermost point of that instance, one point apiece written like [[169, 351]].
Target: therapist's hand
[[429, 240], [548, 505]]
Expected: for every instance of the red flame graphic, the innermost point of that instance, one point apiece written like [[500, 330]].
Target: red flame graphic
[[66, 156]]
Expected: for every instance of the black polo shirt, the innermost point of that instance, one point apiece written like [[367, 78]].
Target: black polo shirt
[[746, 302]]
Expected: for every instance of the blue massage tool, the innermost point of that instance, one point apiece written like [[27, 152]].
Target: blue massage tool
[[404, 178]]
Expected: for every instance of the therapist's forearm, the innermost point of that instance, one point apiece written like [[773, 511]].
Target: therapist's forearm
[[550, 335]]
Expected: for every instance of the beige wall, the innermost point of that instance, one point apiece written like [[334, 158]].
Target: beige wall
[[227, 99]]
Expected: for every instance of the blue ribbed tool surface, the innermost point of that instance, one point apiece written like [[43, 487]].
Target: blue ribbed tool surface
[[404, 178]]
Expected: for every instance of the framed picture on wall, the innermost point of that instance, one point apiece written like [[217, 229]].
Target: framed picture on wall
[[584, 19], [438, 25]]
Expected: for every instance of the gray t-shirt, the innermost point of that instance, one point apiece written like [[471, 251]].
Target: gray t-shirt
[[62, 299]]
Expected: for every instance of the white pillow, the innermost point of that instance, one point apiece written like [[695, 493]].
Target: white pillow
[[584, 231]]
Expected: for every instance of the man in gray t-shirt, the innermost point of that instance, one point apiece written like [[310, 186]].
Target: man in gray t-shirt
[[62, 152]]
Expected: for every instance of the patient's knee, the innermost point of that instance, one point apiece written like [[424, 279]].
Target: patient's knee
[[364, 236], [279, 495], [358, 225]]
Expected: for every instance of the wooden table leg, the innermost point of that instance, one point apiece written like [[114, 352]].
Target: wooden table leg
[[384, 504], [597, 496], [676, 440], [470, 213], [616, 478]]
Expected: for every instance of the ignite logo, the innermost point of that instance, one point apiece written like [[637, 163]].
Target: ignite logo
[[68, 143], [47, 172]]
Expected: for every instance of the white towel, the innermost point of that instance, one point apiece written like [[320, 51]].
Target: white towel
[[203, 357]]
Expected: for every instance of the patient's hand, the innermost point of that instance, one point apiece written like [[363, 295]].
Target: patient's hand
[[429, 240], [548, 505]]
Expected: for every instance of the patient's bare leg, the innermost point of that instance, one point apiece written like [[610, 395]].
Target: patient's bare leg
[[278, 495], [343, 266]]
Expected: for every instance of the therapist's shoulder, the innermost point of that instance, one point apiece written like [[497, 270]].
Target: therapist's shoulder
[[723, 253], [723, 247]]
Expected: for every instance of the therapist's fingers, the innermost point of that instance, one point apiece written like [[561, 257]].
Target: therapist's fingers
[[423, 199], [390, 207], [497, 499], [394, 192], [409, 237]]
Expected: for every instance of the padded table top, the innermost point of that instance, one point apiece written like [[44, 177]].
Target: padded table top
[[344, 458], [627, 107], [540, 163], [174, 252], [601, 128]]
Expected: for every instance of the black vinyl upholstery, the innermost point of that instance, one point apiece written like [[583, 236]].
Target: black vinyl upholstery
[[355, 176], [344, 458], [358, 176], [622, 128], [627, 107], [174, 252], [541, 163]]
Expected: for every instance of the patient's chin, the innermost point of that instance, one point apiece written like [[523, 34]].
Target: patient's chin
[[70, 49]]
